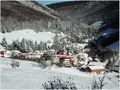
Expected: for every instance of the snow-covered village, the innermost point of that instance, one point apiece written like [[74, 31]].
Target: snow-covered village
[[59, 45]]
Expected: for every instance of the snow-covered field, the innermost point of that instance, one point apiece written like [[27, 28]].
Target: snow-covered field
[[28, 34], [31, 75]]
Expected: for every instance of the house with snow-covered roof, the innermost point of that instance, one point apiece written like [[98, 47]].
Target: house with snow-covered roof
[[95, 69]]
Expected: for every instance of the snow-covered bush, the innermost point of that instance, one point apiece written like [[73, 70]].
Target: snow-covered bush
[[59, 84], [15, 64]]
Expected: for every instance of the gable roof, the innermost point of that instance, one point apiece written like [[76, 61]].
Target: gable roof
[[94, 68]]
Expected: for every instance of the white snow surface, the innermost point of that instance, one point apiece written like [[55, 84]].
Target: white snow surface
[[27, 34], [96, 25], [31, 75]]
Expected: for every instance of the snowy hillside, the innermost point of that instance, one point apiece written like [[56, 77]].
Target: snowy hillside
[[39, 7], [17, 15], [30, 75], [29, 34]]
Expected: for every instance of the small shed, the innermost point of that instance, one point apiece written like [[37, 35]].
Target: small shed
[[95, 69], [8, 53]]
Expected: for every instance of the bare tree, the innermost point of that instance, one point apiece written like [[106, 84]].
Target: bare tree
[[57, 84], [98, 84]]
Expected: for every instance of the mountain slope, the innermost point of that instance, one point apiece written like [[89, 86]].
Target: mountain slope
[[71, 18], [15, 15], [21, 15], [95, 14], [87, 11]]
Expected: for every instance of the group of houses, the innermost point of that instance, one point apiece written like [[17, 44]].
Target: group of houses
[[66, 59], [81, 60], [19, 55]]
